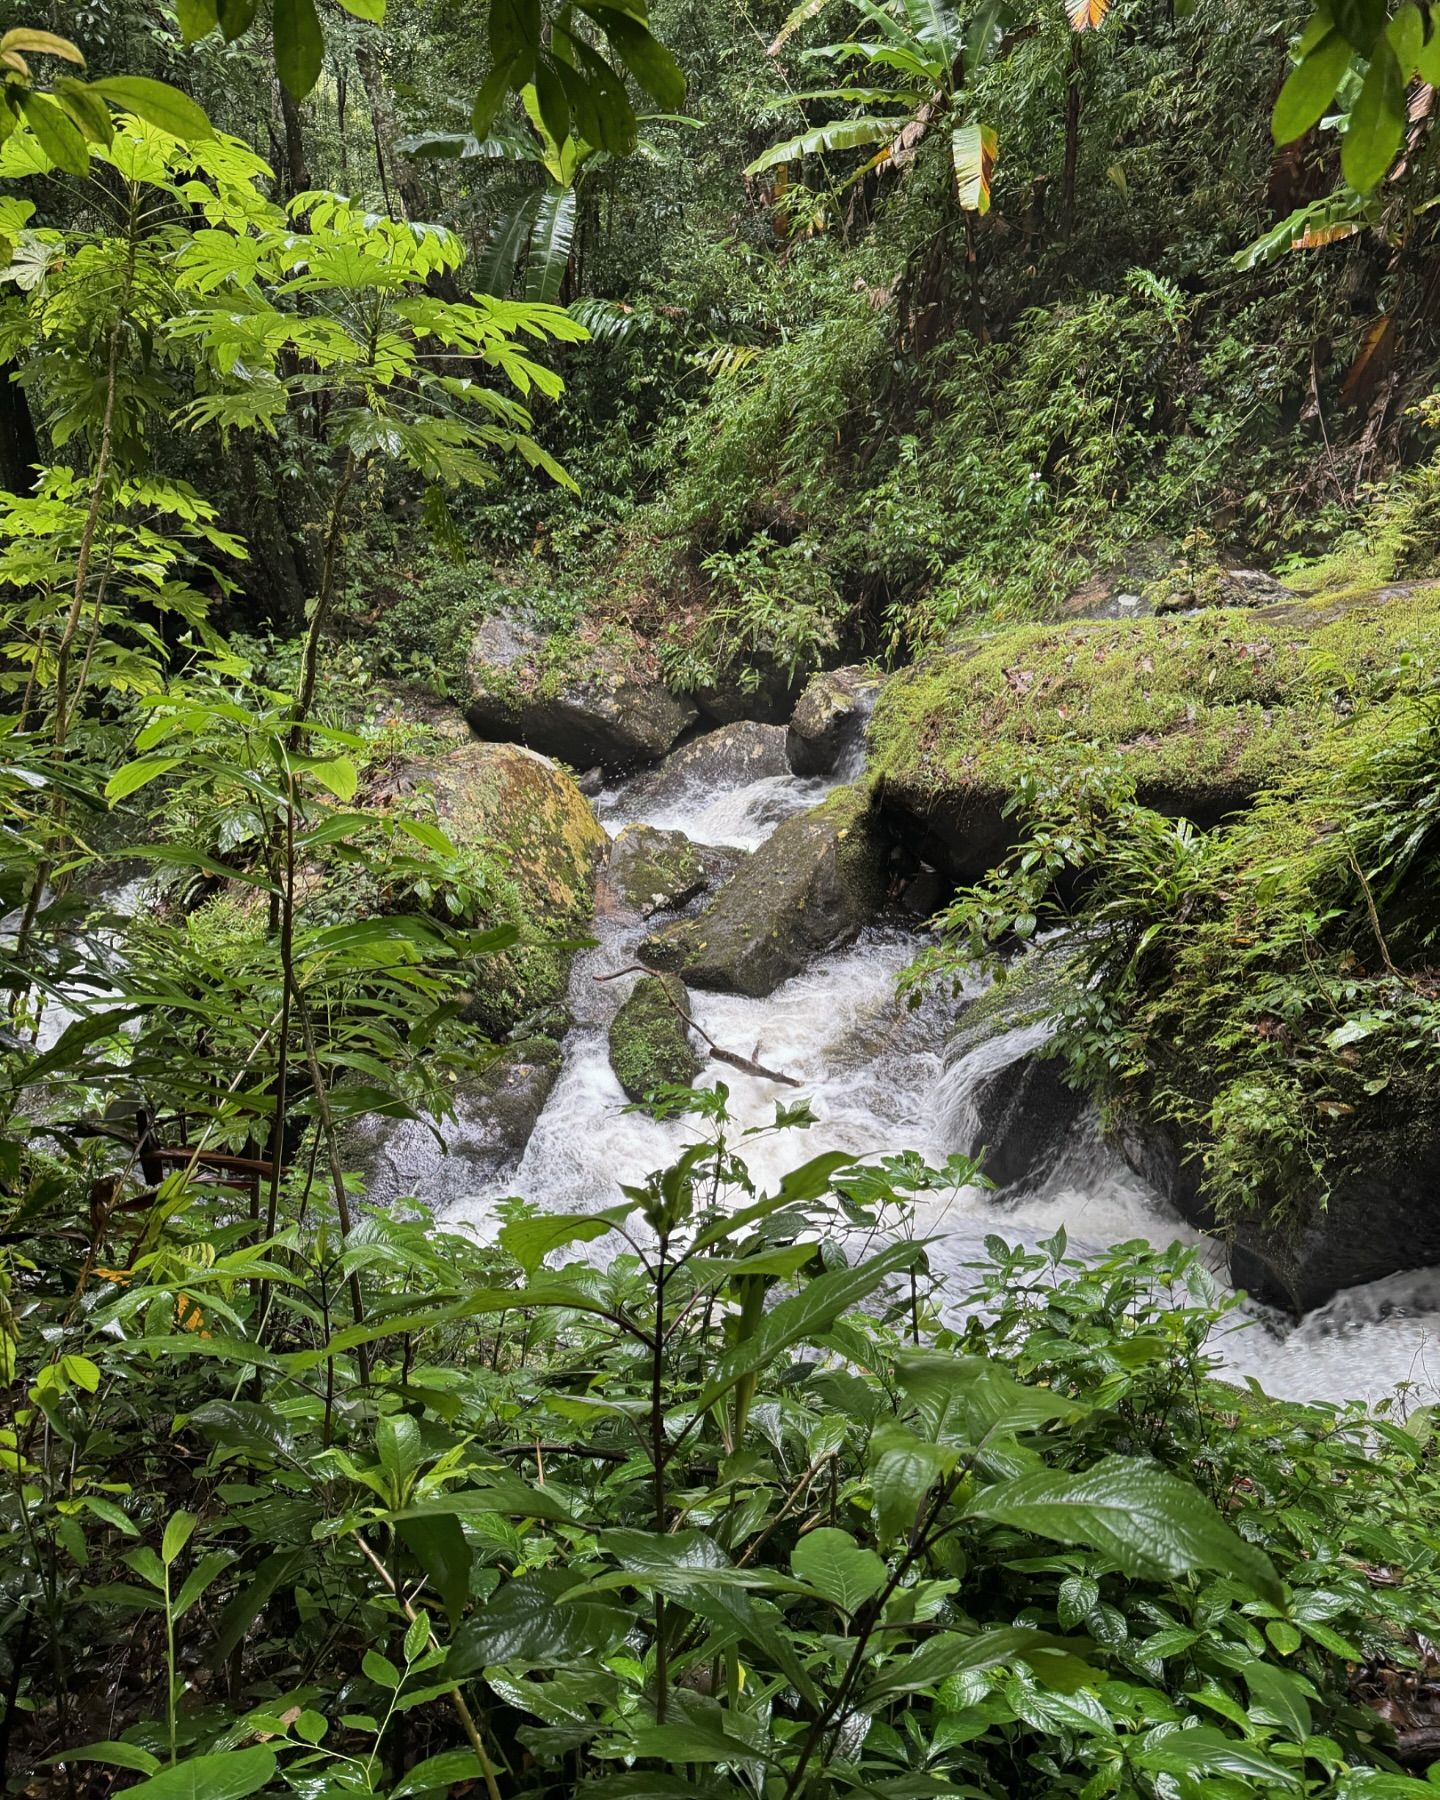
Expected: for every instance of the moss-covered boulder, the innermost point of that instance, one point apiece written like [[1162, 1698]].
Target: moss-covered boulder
[[652, 870], [808, 889], [535, 846], [1203, 711], [500, 1105], [828, 724], [590, 701], [649, 1041]]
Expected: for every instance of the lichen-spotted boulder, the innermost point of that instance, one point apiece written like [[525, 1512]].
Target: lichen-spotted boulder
[[537, 846], [827, 727], [807, 890], [649, 1040], [652, 870], [589, 703]]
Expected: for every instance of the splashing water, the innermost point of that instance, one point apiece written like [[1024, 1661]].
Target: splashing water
[[880, 1077]]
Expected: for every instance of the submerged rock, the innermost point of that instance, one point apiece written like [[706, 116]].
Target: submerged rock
[[587, 703], [499, 1106], [652, 870], [1014, 1106], [829, 720], [649, 1041], [808, 889]]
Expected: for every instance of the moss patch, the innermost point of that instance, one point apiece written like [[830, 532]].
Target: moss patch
[[649, 1043], [1203, 709]]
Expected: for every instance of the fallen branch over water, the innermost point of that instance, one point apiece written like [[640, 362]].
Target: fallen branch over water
[[745, 1064]]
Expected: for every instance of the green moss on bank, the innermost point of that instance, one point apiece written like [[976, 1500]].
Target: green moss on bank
[[1205, 708]]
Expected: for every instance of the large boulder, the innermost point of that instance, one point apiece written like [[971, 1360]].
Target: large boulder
[[1009, 1098], [827, 728], [537, 846], [587, 702], [1203, 711], [731, 756], [652, 870], [1379, 1216], [808, 889], [649, 1040]]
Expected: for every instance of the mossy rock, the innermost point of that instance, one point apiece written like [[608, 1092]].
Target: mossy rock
[[587, 700], [808, 889], [828, 724], [538, 845], [510, 1092], [649, 1042], [652, 870], [1203, 711]]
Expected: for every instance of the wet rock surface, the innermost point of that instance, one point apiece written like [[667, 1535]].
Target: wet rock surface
[[597, 704], [649, 1041], [652, 870], [827, 728], [1376, 1220], [808, 889]]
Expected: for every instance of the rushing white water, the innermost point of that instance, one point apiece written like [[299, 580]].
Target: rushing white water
[[880, 1078]]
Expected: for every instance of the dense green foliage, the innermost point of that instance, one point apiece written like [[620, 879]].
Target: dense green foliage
[[910, 324]]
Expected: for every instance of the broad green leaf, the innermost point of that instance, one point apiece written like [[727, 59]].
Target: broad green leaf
[[198, 1581], [647, 59], [1151, 1523], [299, 45], [814, 1309], [39, 43], [526, 1624], [530, 1241], [903, 1469], [134, 775], [953, 1653], [440, 1547], [962, 1399], [337, 774], [397, 1443], [1406, 32], [229, 1775], [972, 150], [158, 104], [844, 134], [1207, 1751], [372, 11], [439, 1774], [55, 133], [197, 18], [117, 1755], [177, 1535], [1278, 1697], [1309, 88], [551, 237], [1377, 122], [837, 1567]]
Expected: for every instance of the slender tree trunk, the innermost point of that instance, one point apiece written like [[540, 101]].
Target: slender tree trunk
[[19, 448], [398, 180], [297, 164]]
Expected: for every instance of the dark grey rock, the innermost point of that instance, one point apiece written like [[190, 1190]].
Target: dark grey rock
[[827, 727], [602, 707], [808, 889]]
